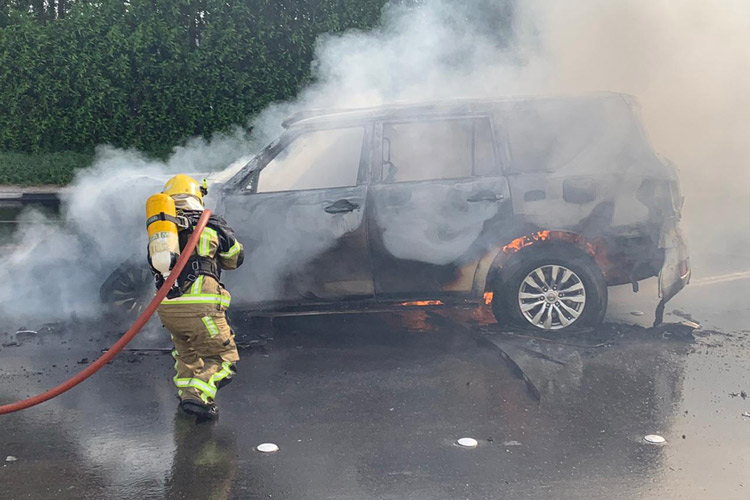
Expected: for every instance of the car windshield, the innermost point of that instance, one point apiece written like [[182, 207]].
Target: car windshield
[[313, 160]]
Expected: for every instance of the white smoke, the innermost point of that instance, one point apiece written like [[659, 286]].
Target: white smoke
[[687, 63], [57, 267]]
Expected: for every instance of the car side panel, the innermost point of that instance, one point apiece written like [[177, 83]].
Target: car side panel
[[297, 249], [427, 237]]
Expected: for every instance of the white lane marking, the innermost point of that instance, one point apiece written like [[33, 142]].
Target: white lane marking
[[720, 279]]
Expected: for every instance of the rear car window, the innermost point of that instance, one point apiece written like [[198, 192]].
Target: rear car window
[[438, 149], [552, 134], [315, 160]]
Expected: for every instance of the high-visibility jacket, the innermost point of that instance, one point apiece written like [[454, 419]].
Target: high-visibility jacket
[[199, 283]]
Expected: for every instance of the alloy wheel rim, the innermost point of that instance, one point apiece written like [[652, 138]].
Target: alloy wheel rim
[[130, 294], [552, 297]]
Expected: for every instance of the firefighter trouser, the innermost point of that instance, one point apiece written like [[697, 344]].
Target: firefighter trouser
[[204, 352]]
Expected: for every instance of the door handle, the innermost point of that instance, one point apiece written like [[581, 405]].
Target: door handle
[[341, 207], [484, 196]]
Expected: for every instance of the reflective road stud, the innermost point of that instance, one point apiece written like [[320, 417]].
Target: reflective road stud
[[267, 448], [654, 439], [467, 442]]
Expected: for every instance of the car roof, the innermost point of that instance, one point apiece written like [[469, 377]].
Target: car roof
[[315, 117]]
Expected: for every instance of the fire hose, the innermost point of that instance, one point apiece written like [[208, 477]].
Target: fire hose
[[127, 336]]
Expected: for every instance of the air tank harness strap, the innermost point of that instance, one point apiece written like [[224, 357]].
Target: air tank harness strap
[[178, 221], [196, 266]]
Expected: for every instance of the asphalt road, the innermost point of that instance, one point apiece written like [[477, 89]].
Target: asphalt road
[[369, 406]]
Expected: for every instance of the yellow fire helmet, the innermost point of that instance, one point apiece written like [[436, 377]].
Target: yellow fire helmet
[[181, 186]]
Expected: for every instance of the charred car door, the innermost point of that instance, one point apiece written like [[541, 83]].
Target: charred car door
[[438, 202], [300, 215]]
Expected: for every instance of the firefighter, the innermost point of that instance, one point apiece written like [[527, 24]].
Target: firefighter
[[194, 311]]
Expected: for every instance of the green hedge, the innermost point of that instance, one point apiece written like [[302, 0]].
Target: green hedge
[[149, 73], [28, 169]]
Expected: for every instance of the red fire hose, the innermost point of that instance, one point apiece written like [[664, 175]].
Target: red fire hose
[[127, 337]]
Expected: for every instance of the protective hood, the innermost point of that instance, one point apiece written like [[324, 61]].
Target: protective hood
[[187, 202]]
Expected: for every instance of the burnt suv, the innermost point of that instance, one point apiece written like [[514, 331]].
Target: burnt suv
[[534, 205]]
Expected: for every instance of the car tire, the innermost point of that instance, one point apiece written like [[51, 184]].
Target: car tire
[[550, 288], [127, 291]]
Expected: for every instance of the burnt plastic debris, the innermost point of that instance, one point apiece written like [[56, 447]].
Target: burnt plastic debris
[[659, 314], [682, 328]]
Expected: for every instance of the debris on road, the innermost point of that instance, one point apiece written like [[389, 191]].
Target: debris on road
[[467, 442], [251, 344], [488, 332], [10, 458], [164, 350], [637, 313], [683, 315], [541, 355], [683, 328], [746, 414]]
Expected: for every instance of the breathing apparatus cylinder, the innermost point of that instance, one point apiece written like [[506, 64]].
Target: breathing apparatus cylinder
[[163, 241]]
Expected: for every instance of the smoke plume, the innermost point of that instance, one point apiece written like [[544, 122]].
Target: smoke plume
[[57, 267]]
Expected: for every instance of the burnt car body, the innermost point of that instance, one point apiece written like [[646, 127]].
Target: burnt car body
[[533, 204]]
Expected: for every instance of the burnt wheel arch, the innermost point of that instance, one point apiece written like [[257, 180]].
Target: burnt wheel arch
[[506, 282]]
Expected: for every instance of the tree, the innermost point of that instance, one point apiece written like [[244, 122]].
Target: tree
[[149, 73]]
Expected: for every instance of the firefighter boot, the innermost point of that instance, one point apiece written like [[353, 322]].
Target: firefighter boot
[[197, 407]]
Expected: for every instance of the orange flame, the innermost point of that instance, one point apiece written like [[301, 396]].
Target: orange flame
[[594, 249], [423, 303], [488, 298], [525, 241]]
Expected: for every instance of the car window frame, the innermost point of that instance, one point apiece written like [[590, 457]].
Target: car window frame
[[377, 145], [246, 181]]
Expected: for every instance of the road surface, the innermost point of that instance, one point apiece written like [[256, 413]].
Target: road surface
[[369, 406]]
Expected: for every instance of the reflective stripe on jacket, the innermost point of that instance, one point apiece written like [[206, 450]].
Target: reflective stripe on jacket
[[205, 294]]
